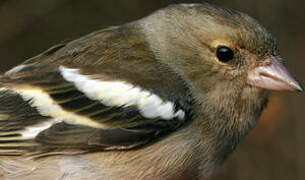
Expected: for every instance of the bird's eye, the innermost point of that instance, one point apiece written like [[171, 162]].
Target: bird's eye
[[224, 54]]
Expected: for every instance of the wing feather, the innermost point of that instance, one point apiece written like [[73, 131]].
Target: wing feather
[[44, 109]]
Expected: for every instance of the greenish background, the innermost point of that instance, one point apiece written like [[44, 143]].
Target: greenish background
[[275, 149]]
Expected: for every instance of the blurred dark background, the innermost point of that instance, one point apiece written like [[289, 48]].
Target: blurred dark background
[[275, 149]]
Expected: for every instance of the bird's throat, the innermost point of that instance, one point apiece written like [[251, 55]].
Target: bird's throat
[[223, 122]]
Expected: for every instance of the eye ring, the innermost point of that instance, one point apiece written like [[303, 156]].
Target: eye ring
[[224, 54]]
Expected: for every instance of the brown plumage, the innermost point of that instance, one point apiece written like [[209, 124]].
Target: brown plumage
[[169, 96]]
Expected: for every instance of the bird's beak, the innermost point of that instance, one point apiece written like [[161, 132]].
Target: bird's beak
[[273, 77]]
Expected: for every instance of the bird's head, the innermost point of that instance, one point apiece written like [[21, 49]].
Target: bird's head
[[221, 52], [225, 56]]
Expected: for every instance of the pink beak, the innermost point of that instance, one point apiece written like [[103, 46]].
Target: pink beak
[[273, 77]]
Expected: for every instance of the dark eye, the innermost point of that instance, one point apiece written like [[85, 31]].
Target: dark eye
[[224, 54]]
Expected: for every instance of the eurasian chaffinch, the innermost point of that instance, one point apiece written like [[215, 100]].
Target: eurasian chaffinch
[[166, 97]]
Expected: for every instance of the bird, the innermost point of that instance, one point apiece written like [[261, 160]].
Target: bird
[[168, 96]]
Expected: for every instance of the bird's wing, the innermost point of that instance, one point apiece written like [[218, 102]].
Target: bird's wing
[[51, 108]]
